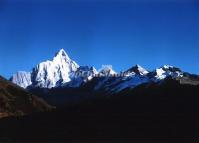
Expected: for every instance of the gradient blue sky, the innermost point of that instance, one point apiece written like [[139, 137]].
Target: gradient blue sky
[[121, 32]]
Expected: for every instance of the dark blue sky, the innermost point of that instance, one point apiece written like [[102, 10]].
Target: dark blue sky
[[121, 32]]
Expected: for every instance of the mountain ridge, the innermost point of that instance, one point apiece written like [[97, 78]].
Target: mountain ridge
[[16, 101], [62, 71]]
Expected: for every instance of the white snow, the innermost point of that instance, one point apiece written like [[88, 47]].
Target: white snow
[[160, 73], [22, 79], [136, 76], [62, 71], [54, 73], [106, 71], [137, 69], [48, 74], [142, 70], [164, 71], [82, 75], [133, 82]]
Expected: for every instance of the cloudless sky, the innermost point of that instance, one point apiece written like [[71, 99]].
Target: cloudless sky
[[100, 32]]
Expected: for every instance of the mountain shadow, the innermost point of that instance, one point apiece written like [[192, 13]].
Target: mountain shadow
[[166, 112]]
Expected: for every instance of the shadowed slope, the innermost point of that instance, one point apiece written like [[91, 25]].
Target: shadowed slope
[[162, 113], [15, 101]]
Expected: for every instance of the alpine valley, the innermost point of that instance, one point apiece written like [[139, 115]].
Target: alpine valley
[[63, 101]]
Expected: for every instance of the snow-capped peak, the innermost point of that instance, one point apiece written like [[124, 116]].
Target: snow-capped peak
[[107, 71], [22, 79], [171, 68], [81, 76], [167, 66], [54, 73], [61, 55], [137, 69], [85, 71], [165, 71], [48, 74]]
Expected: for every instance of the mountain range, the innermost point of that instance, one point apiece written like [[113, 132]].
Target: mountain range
[[63, 72], [92, 105]]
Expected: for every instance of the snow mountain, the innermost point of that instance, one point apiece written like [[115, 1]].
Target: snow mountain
[[54, 73], [137, 69], [130, 78], [136, 76], [48, 74], [22, 79], [164, 72], [106, 71], [63, 72], [82, 75]]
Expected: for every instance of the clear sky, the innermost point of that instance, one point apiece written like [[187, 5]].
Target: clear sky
[[96, 32]]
